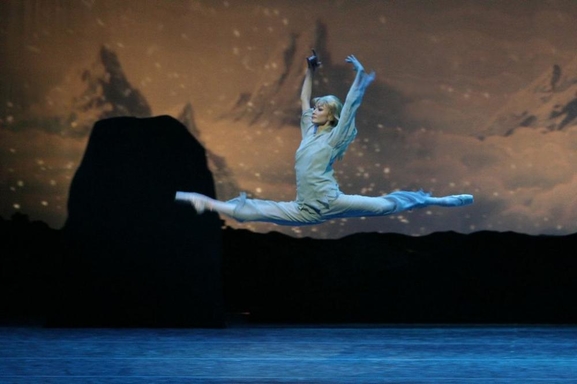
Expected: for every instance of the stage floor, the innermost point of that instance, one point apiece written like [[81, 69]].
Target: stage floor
[[290, 354]]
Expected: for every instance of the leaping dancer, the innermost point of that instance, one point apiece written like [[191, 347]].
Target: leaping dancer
[[328, 127]]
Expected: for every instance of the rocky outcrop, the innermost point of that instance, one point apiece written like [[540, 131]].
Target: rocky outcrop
[[133, 256]]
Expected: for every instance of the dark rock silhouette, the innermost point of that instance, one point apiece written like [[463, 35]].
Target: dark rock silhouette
[[133, 256]]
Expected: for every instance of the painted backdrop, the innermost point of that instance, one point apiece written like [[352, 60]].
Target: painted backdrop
[[470, 97]]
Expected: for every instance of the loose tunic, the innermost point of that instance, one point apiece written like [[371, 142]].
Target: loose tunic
[[316, 184]]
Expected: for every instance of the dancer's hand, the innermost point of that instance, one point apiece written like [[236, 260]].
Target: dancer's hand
[[357, 66], [313, 61]]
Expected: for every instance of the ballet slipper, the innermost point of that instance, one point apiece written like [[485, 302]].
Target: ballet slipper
[[455, 200], [464, 199], [198, 201]]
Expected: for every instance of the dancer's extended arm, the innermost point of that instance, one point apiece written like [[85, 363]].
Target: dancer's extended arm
[[307, 90], [313, 63], [345, 130]]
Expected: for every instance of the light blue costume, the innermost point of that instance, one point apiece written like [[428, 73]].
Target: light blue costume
[[318, 195]]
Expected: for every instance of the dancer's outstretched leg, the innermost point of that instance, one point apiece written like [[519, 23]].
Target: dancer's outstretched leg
[[242, 209], [290, 213]]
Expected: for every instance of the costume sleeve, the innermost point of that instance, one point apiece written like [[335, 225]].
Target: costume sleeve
[[306, 121], [346, 131]]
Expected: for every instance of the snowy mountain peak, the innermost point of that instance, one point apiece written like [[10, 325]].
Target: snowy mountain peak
[[548, 103]]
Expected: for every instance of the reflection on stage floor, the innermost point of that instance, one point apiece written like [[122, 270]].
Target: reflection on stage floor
[[291, 353]]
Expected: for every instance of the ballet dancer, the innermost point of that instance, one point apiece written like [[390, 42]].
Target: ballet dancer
[[328, 127]]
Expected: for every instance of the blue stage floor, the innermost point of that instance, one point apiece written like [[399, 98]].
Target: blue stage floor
[[290, 354]]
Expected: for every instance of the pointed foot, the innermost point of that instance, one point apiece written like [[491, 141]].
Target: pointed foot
[[198, 201], [454, 200]]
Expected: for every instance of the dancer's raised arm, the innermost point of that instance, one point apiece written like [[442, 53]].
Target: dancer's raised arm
[[345, 131], [306, 91]]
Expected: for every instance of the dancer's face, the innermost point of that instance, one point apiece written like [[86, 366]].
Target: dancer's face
[[321, 115]]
